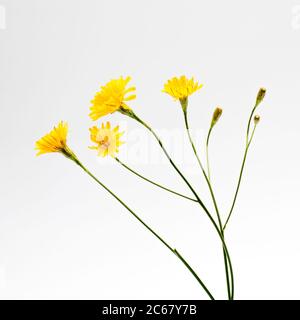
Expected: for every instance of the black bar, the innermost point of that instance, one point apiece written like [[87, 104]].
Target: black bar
[[144, 309]]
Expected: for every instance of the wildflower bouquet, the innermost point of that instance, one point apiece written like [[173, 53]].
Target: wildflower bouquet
[[115, 97]]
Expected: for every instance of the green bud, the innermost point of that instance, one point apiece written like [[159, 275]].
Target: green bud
[[260, 96], [256, 119], [216, 116]]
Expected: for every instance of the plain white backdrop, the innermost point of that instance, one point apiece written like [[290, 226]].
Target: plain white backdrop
[[61, 236]]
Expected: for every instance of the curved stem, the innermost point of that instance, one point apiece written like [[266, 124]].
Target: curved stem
[[152, 182], [240, 176], [209, 179], [249, 123], [252, 134], [230, 290], [202, 169], [207, 158], [219, 231], [174, 251]]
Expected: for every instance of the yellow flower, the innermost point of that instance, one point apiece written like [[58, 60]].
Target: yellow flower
[[181, 88], [112, 97], [55, 141], [107, 139]]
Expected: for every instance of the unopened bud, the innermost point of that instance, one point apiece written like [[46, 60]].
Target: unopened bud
[[256, 119], [216, 116], [260, 96]]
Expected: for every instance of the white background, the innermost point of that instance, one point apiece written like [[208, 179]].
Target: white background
[[61, 236]]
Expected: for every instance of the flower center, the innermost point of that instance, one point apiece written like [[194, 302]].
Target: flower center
[[104, 142]]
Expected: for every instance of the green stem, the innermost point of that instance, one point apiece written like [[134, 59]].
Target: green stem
[[219, 232], [207, 157], [249, 123], [230, 289], [152, 182], [240, 175], [243, 163], [174, 251], [202, 168], [193, 273], [209, 178]]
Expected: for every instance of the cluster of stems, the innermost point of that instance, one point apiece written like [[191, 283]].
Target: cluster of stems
[[217, 223]]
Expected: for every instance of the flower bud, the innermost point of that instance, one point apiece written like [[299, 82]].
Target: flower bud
[[216, 116], [256, 119], [260, 96]]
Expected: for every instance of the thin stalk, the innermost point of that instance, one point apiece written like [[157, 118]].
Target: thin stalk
[[249, 122], [243, 163], [207, 157], [240, 175], [174, 251], [202, 168], [230, 289], [209, 179], [152, 182], [219, 231]]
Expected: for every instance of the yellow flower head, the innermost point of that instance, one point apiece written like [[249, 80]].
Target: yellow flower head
[[112, 97], [181, 88], [54, 141], [107, 139]]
